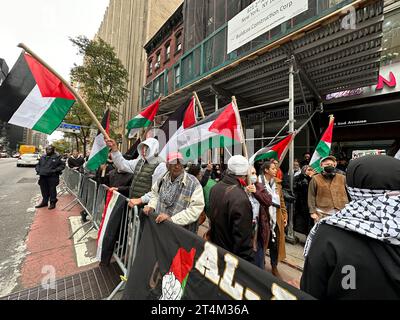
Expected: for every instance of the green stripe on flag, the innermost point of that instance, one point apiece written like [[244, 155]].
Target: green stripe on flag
[[138, 123], [323, 149], [269, 155], [97, 160], [53, 117]]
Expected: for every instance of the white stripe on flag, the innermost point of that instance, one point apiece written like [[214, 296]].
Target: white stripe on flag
[[104, 223], [98, 145], [31, 110]]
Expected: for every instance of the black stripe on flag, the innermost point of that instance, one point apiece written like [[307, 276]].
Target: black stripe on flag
[[15, 88]]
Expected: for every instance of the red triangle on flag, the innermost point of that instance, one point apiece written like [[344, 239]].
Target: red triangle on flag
[[227, 124], [328, 135], [49, 85], [151, 112], [190, 117]]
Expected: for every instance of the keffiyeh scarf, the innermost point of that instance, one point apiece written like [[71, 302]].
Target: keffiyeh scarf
[[372, 213]]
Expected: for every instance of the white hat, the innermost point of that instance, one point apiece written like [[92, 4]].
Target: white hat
[[238, 165]]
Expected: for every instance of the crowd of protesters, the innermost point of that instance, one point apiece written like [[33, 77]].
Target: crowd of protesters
[[246, 210]]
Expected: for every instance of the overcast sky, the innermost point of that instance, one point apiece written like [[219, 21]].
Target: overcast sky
[[45, 26]]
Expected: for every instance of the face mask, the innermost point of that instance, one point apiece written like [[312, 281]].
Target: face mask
[[329, 170], [253, 179]]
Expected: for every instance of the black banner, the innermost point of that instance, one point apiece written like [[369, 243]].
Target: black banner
[[175, 264]]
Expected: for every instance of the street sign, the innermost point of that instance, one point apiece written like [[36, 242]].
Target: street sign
[[69, 128]]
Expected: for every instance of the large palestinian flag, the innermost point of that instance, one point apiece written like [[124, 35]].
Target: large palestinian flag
[[275, 151], [99, 152], [32, 97], [110, 225], [143, 120], [175, 126], [323, 148], [219, 130]]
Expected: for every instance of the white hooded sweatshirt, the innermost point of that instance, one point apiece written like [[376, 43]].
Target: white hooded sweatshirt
[[129, 165]]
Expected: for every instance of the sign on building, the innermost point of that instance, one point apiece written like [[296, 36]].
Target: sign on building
[[362, 153], [260, 17]]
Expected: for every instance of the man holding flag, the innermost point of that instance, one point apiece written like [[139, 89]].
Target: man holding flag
[[327, 190]]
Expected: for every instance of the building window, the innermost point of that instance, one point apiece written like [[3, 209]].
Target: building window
[[158, 60], [157, 88], [167, 51], [178, 42], [391, 39], [150, 67], [177, 75]]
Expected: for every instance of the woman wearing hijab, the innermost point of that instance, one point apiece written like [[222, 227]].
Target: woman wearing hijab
[[355, 253]]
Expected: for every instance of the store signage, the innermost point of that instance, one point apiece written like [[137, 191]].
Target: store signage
[[387, 83], [260, 17]]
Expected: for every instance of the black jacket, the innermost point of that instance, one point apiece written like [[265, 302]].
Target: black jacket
[[376, 266], [50, 166], [231, 218], [75, 163], [120, 180]]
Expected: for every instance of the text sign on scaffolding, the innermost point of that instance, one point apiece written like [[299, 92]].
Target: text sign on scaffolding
[[260, 17]]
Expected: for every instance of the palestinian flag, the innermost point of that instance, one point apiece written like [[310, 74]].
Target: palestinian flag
[[275, 151], [176, 124], [32, 97], [109, 226], [323, 148], [219, 130], [174, 282], [99, 152], [143, 120]]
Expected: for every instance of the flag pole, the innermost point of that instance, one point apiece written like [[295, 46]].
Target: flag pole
[[203, 116], [246, 153], [73, 91]]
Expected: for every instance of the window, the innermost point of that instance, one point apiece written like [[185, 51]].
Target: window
[[150, 67], [391, 39], [167, 51], [157, 88], [178, 42], [177, 75], [158, 60]]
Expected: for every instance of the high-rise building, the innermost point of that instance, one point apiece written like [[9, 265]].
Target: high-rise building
[[127, 26]]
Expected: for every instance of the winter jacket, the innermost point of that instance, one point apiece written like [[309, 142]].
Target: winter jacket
[[50, 166], [264, 228], [231, 218], [120, 180]]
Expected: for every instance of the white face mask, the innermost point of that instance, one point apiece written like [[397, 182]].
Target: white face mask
[[253, 179]]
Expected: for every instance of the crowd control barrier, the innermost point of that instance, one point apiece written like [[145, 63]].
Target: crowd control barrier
[[92, 198]]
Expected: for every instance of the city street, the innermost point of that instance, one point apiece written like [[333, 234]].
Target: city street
[[18, 191]]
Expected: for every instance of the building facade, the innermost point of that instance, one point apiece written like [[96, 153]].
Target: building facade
[[127, 26]]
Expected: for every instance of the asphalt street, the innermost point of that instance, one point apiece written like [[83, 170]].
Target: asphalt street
[[18, 193]]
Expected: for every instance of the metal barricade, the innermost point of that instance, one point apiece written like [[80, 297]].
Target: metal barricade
[[72, 181], [127, 243], [99, 205]]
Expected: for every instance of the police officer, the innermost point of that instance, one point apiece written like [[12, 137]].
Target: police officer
[[49, 169]]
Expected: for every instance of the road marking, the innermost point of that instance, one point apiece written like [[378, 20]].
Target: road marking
[[85, 251]]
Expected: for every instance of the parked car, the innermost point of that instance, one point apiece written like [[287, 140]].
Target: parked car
[[3, 155], [28, 160], [16, 155]]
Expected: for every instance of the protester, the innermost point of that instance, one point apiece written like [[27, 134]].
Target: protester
[[327, 191], [102, 173], [177, 196], [277, 213], [355, 253], [260, 201], [75, 161], [306, 159], [302, 219], [217, 173], [146, 170], [120, 181], [231, 211], [342, 164], [49, 169], [207, 184]]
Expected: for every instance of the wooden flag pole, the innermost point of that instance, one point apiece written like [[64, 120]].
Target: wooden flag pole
[[246, 153], [202, 115], [73, 91]]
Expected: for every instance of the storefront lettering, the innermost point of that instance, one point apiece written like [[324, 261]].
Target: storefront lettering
[[391, 83]]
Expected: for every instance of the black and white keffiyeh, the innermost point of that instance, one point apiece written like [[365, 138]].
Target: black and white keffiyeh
[[373, 213]]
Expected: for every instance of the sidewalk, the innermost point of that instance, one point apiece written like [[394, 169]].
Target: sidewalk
[[50, 250]]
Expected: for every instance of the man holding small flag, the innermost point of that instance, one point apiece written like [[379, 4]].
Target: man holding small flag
[[327, 190]]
